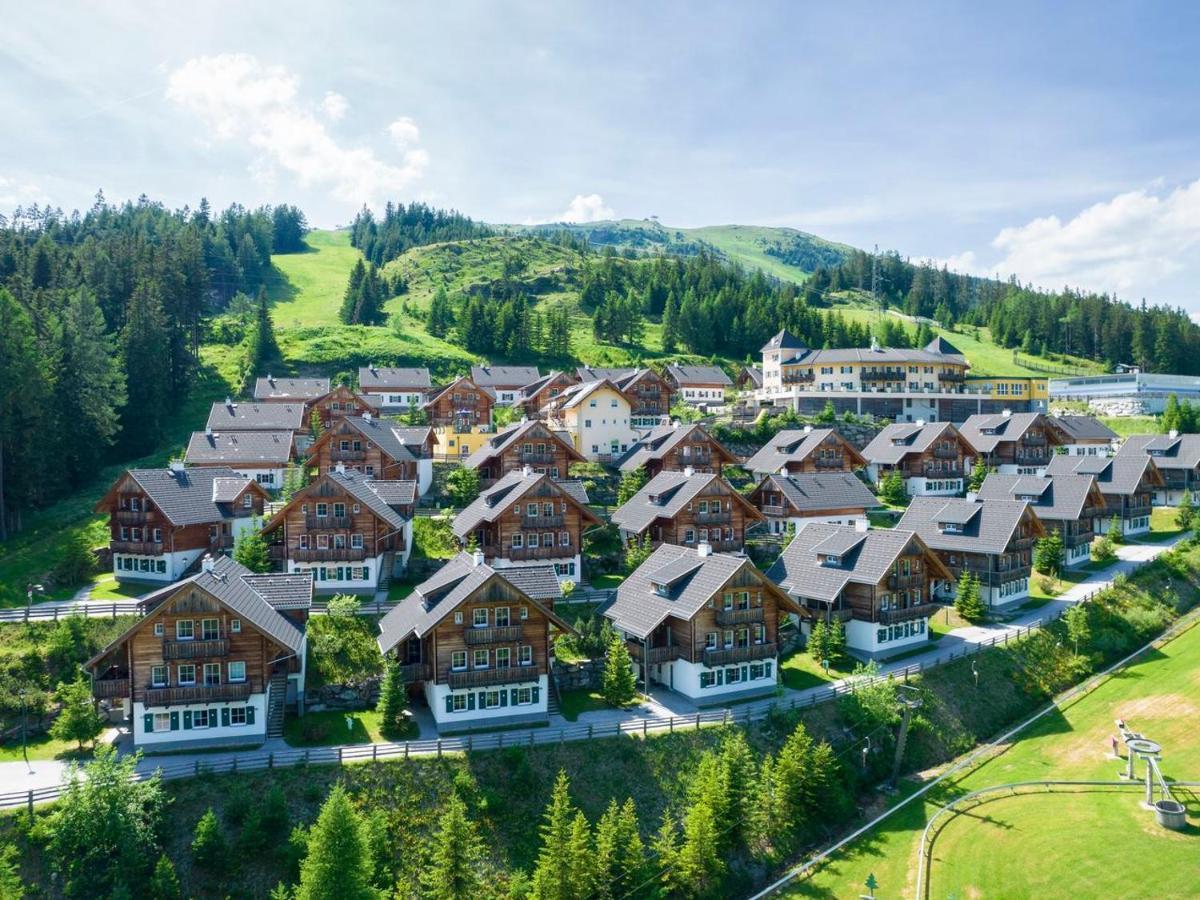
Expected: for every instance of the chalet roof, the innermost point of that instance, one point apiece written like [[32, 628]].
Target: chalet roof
[[460, 383], [577, 393], [985, 527], [942, 347], [531, 389], [784, 340], [381, 497], [499, 499], [698, 375], [1057, 498], [454, 583], [504, 376], [1085, 429], [667, 494], [821, 491], [392, 378], [863, 557], [599, 373], [1118, 475], [794, 446], [754, 375], [275, 389], [986, 431], [658, 442], [283, 592], [256, 416], [186, 496], [396, 441], [514, 434], [231, 447], [688, 581], [895, 442], [1180, 451]]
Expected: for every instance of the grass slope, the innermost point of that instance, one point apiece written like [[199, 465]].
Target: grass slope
[[310, 285]]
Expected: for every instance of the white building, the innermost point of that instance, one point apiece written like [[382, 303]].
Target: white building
[[395, 389], [597, 416]]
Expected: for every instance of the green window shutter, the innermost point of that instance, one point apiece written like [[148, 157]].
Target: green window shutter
[[249, 715], [745, 673], [187, 720], [514, 696], [148, 723], [720, 676], [471, 700], [212, 717], [449, 703], [536, 692], [504, 698], [767, 670], [175, 721], [224, 716]]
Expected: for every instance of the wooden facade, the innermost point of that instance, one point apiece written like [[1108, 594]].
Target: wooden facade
[[545, 523], [1033, 449], [999, 570], [718, 515], [833, 454], [337, 404], [539, 448], [699, 451], [462, 406], [905, 593], [344, 444], [532, 404], [649, 394], [945, 458]]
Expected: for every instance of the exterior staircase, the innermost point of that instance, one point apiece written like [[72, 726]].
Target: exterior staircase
[[276, 697], [552, 697], [385, 570]]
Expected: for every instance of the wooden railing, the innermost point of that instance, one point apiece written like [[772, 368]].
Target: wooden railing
[[898, 582], [195, 649], [326, 523], [142, 548], [329, 554], [537, 552], [826, 462], [338, 455], [709, 518], [551, 521], [533, 457], [417, 671], [655, 655], [484, 677], [722, 657], [932, 470], [132, 516], [499, 634], [907, 614], [110, 688], [739, 616], [201, 693]]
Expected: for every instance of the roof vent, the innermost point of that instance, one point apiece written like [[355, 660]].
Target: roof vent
[[1173, 433], [340, 468], [704, 548], [477, 558], [920, 423], [688, 471], [229, 402], [270, 379], [208, 433], [874, 344], [206, 564], [176, 465]]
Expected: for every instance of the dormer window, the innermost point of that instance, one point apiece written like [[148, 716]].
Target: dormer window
[[950, 527], [662, 590], [831, 560]]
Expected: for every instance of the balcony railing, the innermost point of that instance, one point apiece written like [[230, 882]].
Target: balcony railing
[[326, 523], [951, 376], [417, 671], [882, 375], [533, 457], [195, 649], [1021, 543], [907, 614], [709, 518], [329, 554], [1079, 538], [536, 552], [132, 516], [739, 616], [1034, 440], [932, 471], [740, 654], [338, 455], [483, 677], [771, 509], [830, 462], [1031, 459], [551, 521], [900, 582], [945, 452], [799, 378], [500, 634], [142, 548], [201, 693], [110, 688], [655, 655]]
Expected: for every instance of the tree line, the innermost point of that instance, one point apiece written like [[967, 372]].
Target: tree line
[[403, 227]]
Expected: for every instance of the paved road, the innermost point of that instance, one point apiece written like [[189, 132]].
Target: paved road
[[661, 703]]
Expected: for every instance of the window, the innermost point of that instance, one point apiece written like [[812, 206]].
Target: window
[[162, 721], [491, 699], [501, 616], [518, 541], [185, 630], [458, 702], [210, 629], [356, 541], [237, 671], [158, 629], [524, 696], [458, 660], [531, 509], [322, 510], [247, 500], [524, 612], [158, 676], [503, 656], [689, 536], [548, 539], [200, 719], [158, 535], [237, 716], [710, 641], [733, 676], [187, 673], [212, 673], [458, 617], [339, 510], [322, 542], [707, 679], [525, 655], [479, 617], [481, 658], [304, 542], [235, 626], [564, 538]]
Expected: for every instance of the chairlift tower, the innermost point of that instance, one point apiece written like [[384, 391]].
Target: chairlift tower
[[910, 700]]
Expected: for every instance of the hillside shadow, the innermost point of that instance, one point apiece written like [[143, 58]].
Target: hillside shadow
[[279, 287]]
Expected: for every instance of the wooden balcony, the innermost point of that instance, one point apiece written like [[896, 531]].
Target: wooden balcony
[[739, 616], [902, 582], [934, 471], [1031, 458], [500, 634], [723, 657], [485, 677], [907, 614], [714, 518], [534, 458], [195, 649], [133, 516], [655, 655], [797, 378], [945, 453], [551, 521], [772, 509], [110, 688], [329, 554], [141, 548], [1034, 439], [338, 455], [327, 523], [416, 671], [1078, 538], [201, 693], [516, 553]]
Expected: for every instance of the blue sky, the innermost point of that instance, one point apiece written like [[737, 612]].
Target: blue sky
[[1056, 141]]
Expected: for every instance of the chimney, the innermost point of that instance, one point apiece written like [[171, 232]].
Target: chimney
[[675, 423], [176, 465], [1007, 413], [688, 471], [366, 417], [340, 468], [527, 470], [270, 379], [477, 558], [808, 429], [1173, 433], [229, 401], [972, 496], [208, 433], [861, 525], [920, 423], [704, 548], [206, 564]]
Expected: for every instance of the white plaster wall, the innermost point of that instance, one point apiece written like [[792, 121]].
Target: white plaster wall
[[683, 677], [920, 487], [242, 732], [435, 696], [863, 636], [608, 423], [373, 566], [499, 563], [424, 476], [177, 564]]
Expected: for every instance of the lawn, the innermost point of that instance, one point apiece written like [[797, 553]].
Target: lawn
[[1100, 841], [606, 582], [944, 621], [1124, 426], [1162, 526], [43, 746], [328, 728], [399, 589], [311, 285], [800, 671], [581, 700]]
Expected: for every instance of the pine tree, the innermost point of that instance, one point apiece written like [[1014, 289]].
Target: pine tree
[[665, 848], [979, 471], [315, 427], [392, 697], [554, 875], [78, 720], [11, 886], [1115, 533], [350, 299], [579, 851], [1049, 553], [818, 641], [338, 863], [892, 489], [146, 353], [1185, 513], [618, 685], [637, 551], [631, 482], [453, 871], [210, 850], [740, 778], [835, 641], [263, 345], [630, 847], [670, 328], [968, 600], [250, 548]]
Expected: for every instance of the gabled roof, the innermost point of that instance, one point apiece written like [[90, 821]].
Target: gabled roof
[[1058, 498], [863, 557], [186, 496], [498, 443], [668, 493], [819, 492], [390, 378], [232, 447], [880, 356], [784, 340], [897, 441], [397, 442], [794, 447], [456, 582], [256, 416], [753, 374], [500, 498], [276, 389], [1179, 451], [986, 431], [698, 375], [460, 383], [1116, 475], [986, 527], [577, 393], [257, 599], [599, 373], [504, 376], [658, 442], [942, 347], [1085, 429], [530, 390], [689, 581], [383, 498]]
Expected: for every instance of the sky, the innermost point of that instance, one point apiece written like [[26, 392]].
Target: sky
[[1057, 142]]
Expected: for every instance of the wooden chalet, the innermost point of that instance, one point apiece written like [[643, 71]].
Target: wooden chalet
[[289, 390], [394, 389], [541, 393], [379, 448], [699, 385], [1127, 481], [340, 403], [532, 443], [675, 447], [805, 451], [1177, 458], [1069, 504], [461, 405], [1014, 443], [649, 393], [689, 509], [931, 457], [840, 498], [261, 455]]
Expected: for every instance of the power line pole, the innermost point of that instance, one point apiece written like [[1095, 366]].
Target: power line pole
[[875, 278]]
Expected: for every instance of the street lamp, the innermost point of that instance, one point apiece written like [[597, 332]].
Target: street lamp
[[24, 730], [30, 590]]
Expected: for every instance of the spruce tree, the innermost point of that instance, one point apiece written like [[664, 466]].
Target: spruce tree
[[453, 871], [210, 850], [350, 299], [77, 720], [146, 354], [1049, 553], [630, 847], [250, 548], [665, 848], [338, 863], [818, 641], [631, 482], [979, 471], [392, 697], [554, 875], [835, 641], [164, 883], [968, 600], [618, 683], [606, 862], [1185, 513]]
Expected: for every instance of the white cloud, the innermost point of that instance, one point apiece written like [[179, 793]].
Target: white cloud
[[1133, 244], [404, 132], [239, 98], [15, 192], [589, 208], [334, 105]]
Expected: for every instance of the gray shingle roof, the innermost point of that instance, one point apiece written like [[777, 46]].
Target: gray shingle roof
[[668, 493], [871, 356], [794, 447], [784, 340], [986, 527], [599, 373], [186, 497], [1085, 429], [534, 430], [896, 441], [754, 375], [392, 378], [690, 579], [986, 431], [456, 582], [230, 447], [496, 501], [381, 497], [1179, 452], [816, 493], [504, 376], [1115, 475], [283, 592], [226, 490], [256, 416], [276, 389], [698, 375], [658, 442], [399, 443], [1057, 498]]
